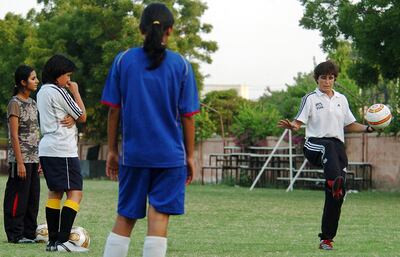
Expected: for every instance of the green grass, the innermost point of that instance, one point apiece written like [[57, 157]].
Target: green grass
[[232, 221]]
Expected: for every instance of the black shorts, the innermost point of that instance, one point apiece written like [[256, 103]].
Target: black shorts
[[62, 173]]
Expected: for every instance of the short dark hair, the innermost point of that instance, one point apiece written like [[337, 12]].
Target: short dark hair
[[326, 68], [21, 73], [56, 66]]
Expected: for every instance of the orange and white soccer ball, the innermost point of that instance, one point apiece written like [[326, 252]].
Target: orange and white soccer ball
[[80, 236], [378, 116], [42, 234]]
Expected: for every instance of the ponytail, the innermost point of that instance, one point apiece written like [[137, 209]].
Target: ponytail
[[16, 89], [154, 47], [154, 23]]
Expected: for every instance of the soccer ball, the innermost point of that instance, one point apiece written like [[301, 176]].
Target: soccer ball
[[378, 116], [80, 237], [42, 234]]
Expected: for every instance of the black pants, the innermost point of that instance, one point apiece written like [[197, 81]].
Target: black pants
[[330, 154], [21, 203]]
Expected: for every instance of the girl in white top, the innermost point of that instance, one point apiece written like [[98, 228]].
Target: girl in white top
[[58, 150], [326, 115]]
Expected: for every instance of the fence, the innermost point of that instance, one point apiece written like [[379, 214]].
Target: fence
[[378, 151], [381, 152]]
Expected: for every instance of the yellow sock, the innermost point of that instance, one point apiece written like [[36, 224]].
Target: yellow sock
[[54, 203], [72, 204]]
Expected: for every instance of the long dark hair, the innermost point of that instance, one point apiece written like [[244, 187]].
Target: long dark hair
[[22, 73], [56, 66], [155, 21]]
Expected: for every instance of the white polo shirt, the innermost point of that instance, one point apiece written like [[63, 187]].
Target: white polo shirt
[[54, 103], [325, 116]]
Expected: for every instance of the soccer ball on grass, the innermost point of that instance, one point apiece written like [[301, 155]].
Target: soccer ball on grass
[[79, 236]]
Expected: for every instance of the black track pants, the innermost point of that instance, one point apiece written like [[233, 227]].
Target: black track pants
[[21, 203], [330, 154]]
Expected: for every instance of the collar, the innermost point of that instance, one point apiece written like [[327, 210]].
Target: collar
[[28, 100], [320, 93]]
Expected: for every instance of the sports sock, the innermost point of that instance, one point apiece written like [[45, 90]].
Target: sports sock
[[116, 246], [53, 207], [155, 246], [68, 214]]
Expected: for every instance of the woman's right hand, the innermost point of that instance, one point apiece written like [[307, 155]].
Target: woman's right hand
[[72, 87], [112, 165], [287, 124], [21, 171]]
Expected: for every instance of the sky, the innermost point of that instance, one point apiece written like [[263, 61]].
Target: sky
[[260, 42]]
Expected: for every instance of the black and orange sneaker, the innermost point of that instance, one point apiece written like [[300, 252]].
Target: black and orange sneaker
[[326, 244]]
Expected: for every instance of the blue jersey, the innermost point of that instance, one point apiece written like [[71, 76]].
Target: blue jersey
[[152, 103]]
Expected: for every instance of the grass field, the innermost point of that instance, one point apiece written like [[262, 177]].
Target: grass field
[[232, 221]]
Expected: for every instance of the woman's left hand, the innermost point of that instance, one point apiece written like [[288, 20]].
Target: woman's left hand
[[68, 121], [40, 170], [190, 170]]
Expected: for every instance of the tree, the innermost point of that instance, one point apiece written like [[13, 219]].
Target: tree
[[254, 123], [371, 25], [205, 128], [227, 104], [288, 101], [18, 39], [91, 33]]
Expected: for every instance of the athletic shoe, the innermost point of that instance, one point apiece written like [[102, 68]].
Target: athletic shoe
[[337, 188], [51, 247], [326, 244], [70, 246], [41, 239], [25, 240]]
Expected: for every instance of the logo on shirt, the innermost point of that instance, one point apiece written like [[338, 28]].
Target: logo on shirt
[[319, 106]]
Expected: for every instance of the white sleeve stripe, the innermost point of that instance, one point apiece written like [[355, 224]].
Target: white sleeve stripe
[[120, 59], [186, 65], [71, 103], [303, 103]]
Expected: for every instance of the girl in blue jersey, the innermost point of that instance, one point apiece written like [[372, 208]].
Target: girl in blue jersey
[[153, 91]]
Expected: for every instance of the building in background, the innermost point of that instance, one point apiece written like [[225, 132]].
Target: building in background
[[242, 90]]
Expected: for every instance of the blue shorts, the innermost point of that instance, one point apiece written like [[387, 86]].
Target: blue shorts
[[164, 188]]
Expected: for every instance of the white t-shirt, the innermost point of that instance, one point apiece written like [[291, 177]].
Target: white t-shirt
[[54, 103], [325, 116]]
